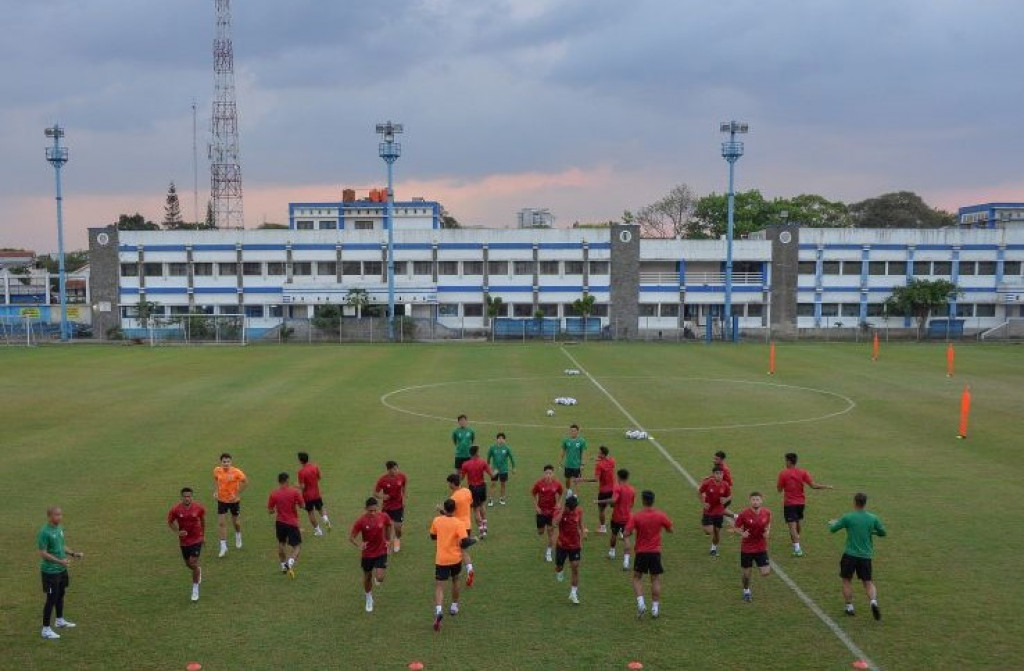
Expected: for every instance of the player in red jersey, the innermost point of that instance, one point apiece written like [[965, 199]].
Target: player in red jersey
[[390, 488], [754, 524], [791, 484], [285, 502], [472, 471], [726, 473], [546, 493], [623, 496], [309, 485], [571, 532], [648, 525], [373, 526], [188, 521], [715, 494], [604, 473]]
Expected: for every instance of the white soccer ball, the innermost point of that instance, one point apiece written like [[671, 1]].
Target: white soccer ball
[[551, 413]]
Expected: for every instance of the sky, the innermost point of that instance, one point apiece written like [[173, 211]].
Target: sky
[[586, 107]]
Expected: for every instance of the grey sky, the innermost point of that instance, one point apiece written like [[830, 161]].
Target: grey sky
[[584, 106]]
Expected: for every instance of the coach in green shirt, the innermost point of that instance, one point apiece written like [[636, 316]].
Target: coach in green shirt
[[572, 456], [463, 438], [54, 556], [861, 528], [500, 454]]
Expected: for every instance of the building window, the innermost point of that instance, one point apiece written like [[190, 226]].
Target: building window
[[755, 310], [599, 267], [922, 268], [329, 268], [549, 267], [351, 268], [304, 225], [522, 309], [897, 268], [153, 269], [252, 268], [129, 312], [203, 310], [497, 267], [573, 267], [876, 268], [276, 268], [472, 267], [942, 268], [227, 269], [372, 268], [985, 310], [805, 309], [806, 268], [447, 267], [364, 224], [829, 309], [1011, 267], [599, 310], [964, 310], [276, 312], [968, 268], [648, 310], [670, 309], [987, 268], [851, 267], [202, 269], [849, 310], [829, 267], [302, 268], [253, 311], [129, 270], [177, 269], [447, 309], [328, 225], [523, 268], [876, 309], [423, 268], [178, 310], [549, 309], [473, 310]]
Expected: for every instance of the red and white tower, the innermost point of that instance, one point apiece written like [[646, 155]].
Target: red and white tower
[[225, 171]]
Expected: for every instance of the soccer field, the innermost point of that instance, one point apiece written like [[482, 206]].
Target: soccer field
[[112, 433]]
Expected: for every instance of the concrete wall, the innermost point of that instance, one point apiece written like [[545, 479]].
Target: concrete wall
[[785, 241], [625, 281], [103, 279]]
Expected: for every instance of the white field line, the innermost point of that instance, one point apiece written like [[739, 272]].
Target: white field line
[[814, 607]]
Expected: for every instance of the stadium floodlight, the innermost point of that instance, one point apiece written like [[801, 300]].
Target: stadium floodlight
[[57, 156], [732, 150], [390, 150]]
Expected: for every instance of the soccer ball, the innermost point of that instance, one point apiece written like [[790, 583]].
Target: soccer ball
[[551, 413]]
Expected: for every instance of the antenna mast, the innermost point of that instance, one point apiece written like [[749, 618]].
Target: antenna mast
[[225, 171]]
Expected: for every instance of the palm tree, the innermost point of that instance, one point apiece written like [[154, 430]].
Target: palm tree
[[359, 299], [495, 306], [584, 306]]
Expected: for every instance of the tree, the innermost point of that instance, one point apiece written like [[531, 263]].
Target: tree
[[135, 222], [72, 261], [147, 310], [495, 306], [919, 299], [326, 317], [901, 209], [710, 215], [211, 220], [448, 220], [668, 217], [267, 225], [812, 211], [359, 299], [584, 306], [172, 209]]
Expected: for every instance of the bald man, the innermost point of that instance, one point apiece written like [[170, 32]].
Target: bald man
[[55, 556]]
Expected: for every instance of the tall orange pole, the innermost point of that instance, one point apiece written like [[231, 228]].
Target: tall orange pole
[[874, 348], [771, 359], [965, 411], [950, 360]]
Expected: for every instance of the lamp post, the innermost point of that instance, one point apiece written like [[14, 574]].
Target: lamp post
[[731, 152], [57, 156], [390, 151]]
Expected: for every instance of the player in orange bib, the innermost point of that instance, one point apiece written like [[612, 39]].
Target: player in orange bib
[[463, 499], [229, 483]]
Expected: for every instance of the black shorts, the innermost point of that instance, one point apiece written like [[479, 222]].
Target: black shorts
[[479, 493], [712, 521], [447, 572], [314, 504], [605, 498], [458, 463], [53, 582], [544, 521], [618, 527], [561, 555], [849, 565], [189, 551], [648, 562], [572, 472], [397, 515], [233, 508], [748, 559], [370, 563], [500, 477], [793, 513], [286, 533]]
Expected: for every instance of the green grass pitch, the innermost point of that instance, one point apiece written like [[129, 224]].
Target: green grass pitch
[[112, 433]]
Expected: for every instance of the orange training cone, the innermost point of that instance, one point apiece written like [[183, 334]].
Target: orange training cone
[[950, 359], [874, 348], [771, 359], [965, 411]]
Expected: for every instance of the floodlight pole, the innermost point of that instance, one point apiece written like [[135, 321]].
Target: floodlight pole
[[731, 152], [57, 156], [390, 150]]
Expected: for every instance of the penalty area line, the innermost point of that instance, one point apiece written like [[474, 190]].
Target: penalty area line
[[838, 631]]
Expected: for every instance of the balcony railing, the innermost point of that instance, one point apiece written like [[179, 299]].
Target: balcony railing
[[699, 279]]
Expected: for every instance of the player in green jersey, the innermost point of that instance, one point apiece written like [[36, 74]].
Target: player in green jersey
[[861, 527], [463, 438], [572, 457], [500, 456], [54, 555]]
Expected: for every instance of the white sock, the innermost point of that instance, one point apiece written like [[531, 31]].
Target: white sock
[[874, 602], [438, 610], [469, 567], [325, 520], [291, 562], [714, 547], [625, 559], [369, 595], [640, 602], [849, 607], [611, 553], [654, 606], [746, 590], [238, 535], [572, 590], [796, 547], [224, 544]]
